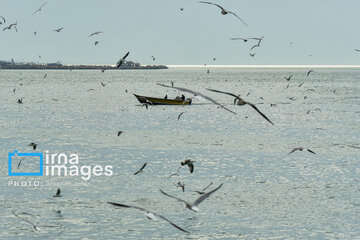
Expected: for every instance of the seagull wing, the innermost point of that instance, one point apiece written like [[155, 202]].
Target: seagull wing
[[213, 4], [295, 149], [164, 218], [143, 166], [143, 209], [309, 72], [254, 46], [207, 186], [309, 150], [197, 94], [263, 115], [206, 195], [238, 18], [231, 94], [180, 200], [180, 115]]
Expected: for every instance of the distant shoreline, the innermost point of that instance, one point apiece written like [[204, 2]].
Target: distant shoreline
[[79, 67]]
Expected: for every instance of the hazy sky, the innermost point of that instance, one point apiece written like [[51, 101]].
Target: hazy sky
[[328, 30]]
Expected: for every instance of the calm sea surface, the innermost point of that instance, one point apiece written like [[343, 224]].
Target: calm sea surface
[[266, 193]]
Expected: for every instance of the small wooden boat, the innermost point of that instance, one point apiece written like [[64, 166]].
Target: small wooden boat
[[162, 101]]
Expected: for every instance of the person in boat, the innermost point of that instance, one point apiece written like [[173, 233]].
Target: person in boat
[[182, 97], [165, 97], [177, 98]]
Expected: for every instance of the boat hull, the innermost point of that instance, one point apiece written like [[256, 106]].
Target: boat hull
[[161, 101]]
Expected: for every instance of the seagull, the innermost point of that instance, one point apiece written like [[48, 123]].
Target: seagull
[[96, 43], [189, 163], [141, 169], [14, 90], [309, 72], [39, 8], [120, 62], [244, 39], [241, 102], [301, 84], [20, 101], [149, 214], [33, 145], [224, 11], [95, 33], [119, 132], [45, 75], [4, 21], [182, 185], [57, 194], [288, 78], [103, 84], [180, 115], [36, 227], [182, 9], [358, 50], [58, 30], [103, 70], [10, 26], [35, 33], [252, 54], [193, 206], [197, 94], [300, 149]]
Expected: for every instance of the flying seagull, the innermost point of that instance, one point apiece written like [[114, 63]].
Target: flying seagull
[[309, 72], [252, 54], [193, 206], [288, 78], [20, 101], [96, 43], [141, 169], [358, 50], [189, 163], [95, 33], [4, 21], [241, 102], [120, 62], [45, 75], [119, 132], [103, 84], [149, 214], [33, 145], [224, 11], [39, 8], [36, 227], [58, 193], [10, 26], [58, 30], [197, 94], [300, 149], [244, 39], [175, 174]]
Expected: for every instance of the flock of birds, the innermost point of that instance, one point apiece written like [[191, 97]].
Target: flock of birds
[[193, 206]]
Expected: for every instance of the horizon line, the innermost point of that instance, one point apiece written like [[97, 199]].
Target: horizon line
[[262, 66]]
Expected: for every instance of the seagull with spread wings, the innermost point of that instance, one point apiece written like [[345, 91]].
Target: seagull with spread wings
[[39, 8], [36, 227], [95, 33], [4, 21], [224, 11], [197, 94], [301, 149], [149, 214], [193, 206], [58, 30], [239, 101]]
